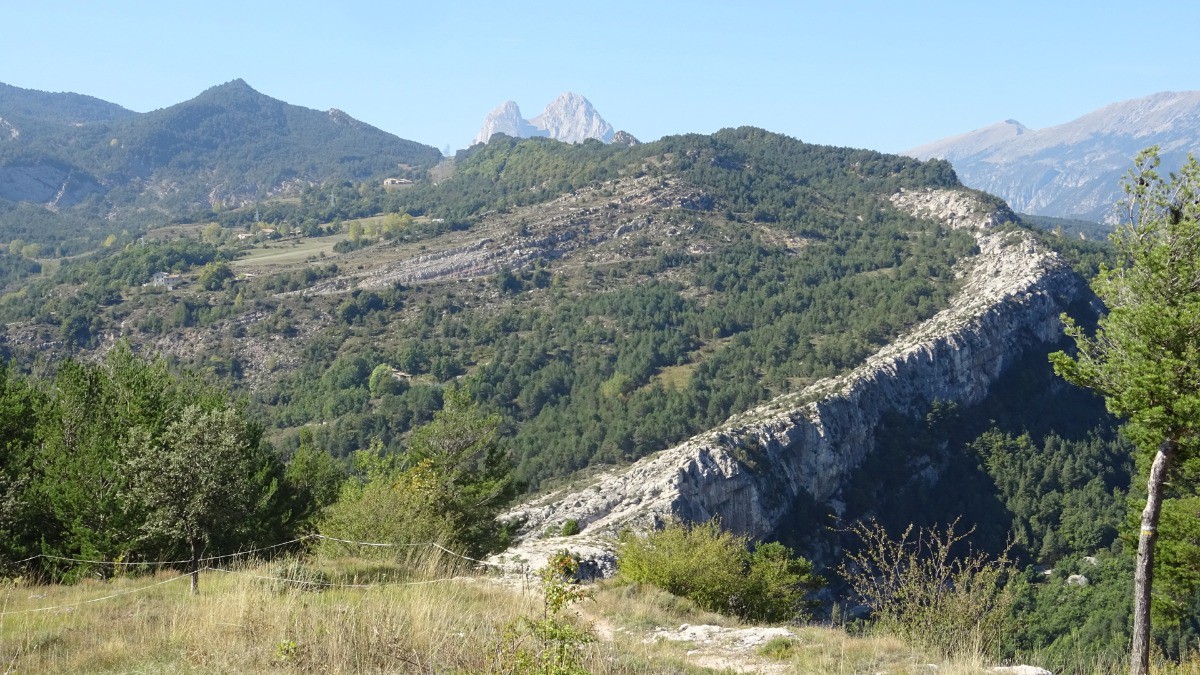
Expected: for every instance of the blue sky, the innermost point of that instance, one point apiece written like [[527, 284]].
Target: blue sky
[[882, 75]]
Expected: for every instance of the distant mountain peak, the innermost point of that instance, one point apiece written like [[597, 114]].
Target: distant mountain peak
[[506, 119], [234, 89], [1072, 170], [237, 83], [570, 118]]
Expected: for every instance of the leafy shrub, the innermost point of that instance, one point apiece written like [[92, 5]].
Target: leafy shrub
[[447, 489], [399, 507], [926, 591], [717, 570], [570, 528]]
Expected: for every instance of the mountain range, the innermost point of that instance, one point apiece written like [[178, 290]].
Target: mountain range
[[570, 118], [1072, 170], [228, 146]]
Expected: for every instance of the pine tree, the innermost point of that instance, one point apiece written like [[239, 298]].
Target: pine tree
[[1145, 355]]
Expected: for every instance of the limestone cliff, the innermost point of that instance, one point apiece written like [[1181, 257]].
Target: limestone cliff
[[750, 470]]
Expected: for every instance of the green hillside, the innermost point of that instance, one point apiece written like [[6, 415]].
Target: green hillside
[[29, 106]]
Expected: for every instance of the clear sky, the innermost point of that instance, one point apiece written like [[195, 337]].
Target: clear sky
[[881, 75]]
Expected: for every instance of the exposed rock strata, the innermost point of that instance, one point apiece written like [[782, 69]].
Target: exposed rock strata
[[583, 221], [46, 183], [750, 470]]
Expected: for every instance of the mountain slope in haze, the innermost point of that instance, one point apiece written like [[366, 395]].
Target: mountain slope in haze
[[570, 118], [228, 146], [1072, 170], [21, 107]]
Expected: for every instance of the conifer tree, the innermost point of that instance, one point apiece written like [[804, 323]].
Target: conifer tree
[[1145, 356]]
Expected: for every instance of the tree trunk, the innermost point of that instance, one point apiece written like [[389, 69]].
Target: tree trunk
[[195, 568], [1143, 571]]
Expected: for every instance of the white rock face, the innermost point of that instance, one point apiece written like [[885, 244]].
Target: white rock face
[[1073, 169], [750, 470], [572, 119], [8, 131], [569, 118], [506, 119]]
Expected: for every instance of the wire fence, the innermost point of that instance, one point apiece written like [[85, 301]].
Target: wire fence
[[70, 605], [208, 567], [248, 552], [147, 563]]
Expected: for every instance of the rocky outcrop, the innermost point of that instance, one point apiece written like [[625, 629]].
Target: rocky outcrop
[[506, 119], [751, 470], [569, 118], [1073, 169], [624, 139], [597, 221], [8, 131]]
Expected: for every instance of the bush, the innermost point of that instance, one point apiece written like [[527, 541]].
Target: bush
[[447, 489], [398, 507], [716, 569], [570, 528], [920, 588]]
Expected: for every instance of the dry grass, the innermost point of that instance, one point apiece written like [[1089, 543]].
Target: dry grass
[[272, 255], [818, 649], [427, 617], [241, 622]]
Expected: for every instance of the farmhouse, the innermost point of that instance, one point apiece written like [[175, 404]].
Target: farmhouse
[[165, 279]]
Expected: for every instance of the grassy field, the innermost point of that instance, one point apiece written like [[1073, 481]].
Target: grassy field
[[373, 618], [356, 615], [275, 254]]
